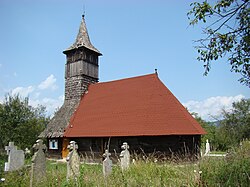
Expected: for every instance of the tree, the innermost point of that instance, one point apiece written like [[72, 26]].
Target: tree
[[226, 35], [20, 122], [229, 132], [210, 128], [236, 123], [235, 126]]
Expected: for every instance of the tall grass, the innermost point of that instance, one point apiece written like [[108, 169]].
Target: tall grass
[[233, 170], [139, 174]]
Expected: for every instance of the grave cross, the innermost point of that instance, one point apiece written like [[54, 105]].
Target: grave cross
[[10, 147], [39, 145], [72, 146], [73, 161], [125, 146], [15, 158], [38, 166], [107, 164], [125, 156], [106, 154]]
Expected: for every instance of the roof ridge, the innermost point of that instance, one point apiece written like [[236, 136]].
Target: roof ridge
[[124, 79]]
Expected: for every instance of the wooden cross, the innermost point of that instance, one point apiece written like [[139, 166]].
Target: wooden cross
[[10, 147]]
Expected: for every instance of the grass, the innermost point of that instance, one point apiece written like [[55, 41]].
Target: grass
[[215, 172], [233, 170], [139, 174], [218, 152], [221, 172]]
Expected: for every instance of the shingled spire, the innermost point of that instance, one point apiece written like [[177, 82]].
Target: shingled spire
[[82, 39], [82, 64]]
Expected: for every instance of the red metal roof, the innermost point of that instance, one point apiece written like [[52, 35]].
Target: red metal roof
[[138, 106]]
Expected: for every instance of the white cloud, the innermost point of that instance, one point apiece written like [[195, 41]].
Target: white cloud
[[37, 95], [211, 107], [23, 91], [49, 83], [50, 103]]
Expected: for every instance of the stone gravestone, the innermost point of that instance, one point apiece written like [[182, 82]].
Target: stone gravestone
[[107, 164], [73, 162], [38, 166], [207, 150], [125, 156], [15, 158]]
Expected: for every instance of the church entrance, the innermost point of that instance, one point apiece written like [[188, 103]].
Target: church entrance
[[65, 150]]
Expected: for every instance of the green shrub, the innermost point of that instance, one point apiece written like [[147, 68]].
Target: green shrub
[[3, 159]]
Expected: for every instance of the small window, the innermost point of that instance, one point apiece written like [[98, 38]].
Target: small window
[[53, 144]]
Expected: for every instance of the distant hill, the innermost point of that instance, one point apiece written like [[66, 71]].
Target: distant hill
[[216, 123]]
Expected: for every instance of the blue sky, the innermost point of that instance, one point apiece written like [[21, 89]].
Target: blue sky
[[135, 37]]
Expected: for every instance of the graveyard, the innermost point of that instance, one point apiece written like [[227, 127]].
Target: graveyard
[[125, 169]]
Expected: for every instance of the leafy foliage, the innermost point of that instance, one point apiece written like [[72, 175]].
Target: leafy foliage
[[20, 122], [209, 127], [236, 125], [228, 34]]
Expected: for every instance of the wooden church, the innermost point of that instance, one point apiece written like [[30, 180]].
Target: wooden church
[[138, 110]]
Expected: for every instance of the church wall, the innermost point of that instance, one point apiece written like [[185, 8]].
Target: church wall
[[167, 145], [54, 152]]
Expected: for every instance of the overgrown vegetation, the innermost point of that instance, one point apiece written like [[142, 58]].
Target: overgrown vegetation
[[230, 131], [20, 122], [140, 174], [232, 170]]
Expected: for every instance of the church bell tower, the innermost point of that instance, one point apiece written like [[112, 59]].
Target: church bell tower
[[81, 68]]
